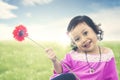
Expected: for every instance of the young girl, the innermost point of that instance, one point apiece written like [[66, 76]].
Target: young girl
[[87, 60]]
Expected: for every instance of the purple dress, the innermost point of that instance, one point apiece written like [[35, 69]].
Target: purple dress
[[103, 70]]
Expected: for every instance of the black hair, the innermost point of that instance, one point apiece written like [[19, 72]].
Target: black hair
[[80, 19]]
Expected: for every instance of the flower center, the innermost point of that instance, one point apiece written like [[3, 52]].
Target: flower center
[[21, 33]]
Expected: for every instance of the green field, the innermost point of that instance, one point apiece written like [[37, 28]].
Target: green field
[[27, 61]]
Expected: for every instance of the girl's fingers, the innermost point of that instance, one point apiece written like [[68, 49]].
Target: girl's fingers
[[50, 53]]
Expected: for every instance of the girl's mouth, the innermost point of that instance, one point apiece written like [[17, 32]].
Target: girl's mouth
[[87, 44]]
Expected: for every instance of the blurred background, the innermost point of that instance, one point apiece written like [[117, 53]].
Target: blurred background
[[46, 22], [48, 19]]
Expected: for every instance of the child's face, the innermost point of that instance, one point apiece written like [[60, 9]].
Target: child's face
[[84, 37]]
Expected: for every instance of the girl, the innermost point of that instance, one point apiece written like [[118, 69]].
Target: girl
[[87, 60]]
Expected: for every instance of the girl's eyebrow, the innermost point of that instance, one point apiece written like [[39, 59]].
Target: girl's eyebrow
[[83, 30]]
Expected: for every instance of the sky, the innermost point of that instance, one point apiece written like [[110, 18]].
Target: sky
[[47, 20]]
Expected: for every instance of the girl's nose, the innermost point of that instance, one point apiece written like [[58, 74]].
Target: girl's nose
[[83, 40]]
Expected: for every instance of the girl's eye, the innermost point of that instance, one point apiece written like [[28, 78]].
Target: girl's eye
[[77, 39], [85, 33]]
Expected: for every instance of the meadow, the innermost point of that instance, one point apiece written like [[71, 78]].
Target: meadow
[[27, 61]]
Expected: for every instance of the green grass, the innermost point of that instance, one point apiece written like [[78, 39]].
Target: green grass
[[27, 61]]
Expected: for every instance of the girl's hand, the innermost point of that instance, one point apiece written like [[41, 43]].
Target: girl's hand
[[51, 54]]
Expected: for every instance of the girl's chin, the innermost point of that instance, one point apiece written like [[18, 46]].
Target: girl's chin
[[87, 49]]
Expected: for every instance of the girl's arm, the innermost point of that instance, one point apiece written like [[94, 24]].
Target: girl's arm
[[57, 65]]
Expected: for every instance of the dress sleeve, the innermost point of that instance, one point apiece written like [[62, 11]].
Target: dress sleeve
[[66, 64], [110, 71]]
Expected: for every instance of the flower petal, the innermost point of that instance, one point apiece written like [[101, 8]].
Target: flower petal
[[20, 32]]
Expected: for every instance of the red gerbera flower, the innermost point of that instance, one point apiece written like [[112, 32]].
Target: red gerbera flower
[[20, 32]]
